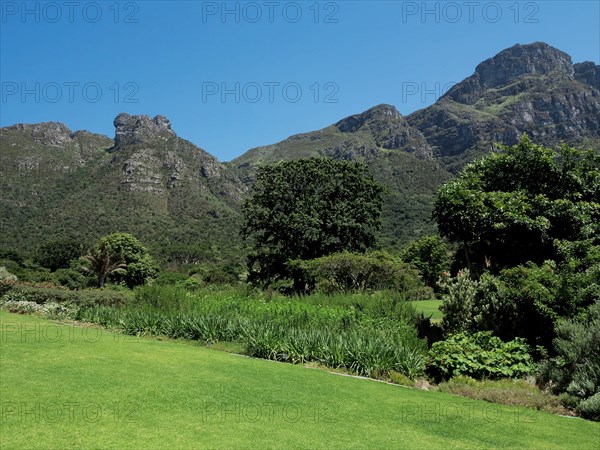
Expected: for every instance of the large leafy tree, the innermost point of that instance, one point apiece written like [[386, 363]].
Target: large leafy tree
[[431, 256], [305, 209], [519, 204], [58, 253], [123, 257]]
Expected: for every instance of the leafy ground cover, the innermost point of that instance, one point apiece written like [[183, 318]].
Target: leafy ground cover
[[65, 386]]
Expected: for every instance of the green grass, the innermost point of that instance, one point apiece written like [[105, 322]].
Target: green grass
[[80, 387], [429, 308]]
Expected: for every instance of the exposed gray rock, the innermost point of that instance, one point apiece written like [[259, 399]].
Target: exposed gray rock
[[130, 130], [589, 73]]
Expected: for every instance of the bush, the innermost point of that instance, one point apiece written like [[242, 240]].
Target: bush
[[576, 368], [71, 279], [41, 296], [590, 408], [479, 356], [169, 278], [219, 276], [505, 392], [457, 302], [48, 310], [524, 301], [351, 272]]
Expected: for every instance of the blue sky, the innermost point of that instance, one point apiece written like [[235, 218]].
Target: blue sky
[[234, 75]]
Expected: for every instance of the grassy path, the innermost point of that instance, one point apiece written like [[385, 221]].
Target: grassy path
[[430, 308], [67, 387]]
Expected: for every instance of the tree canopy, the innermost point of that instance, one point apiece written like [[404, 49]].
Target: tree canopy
[[123, 257], [517, 205], [306, 209]]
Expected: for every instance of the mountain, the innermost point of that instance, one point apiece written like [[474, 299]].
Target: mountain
[[397, 155], [534, 89], [186, 205], [171, 194]]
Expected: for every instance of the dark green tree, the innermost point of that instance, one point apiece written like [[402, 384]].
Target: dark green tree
[[306, 209], [58, 253], [517, 205], [430, 256]]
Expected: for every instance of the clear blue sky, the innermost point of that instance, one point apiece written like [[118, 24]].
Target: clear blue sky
[[83, 64]]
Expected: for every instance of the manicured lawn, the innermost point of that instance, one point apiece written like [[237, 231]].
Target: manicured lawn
[[64, 387], [430, 308]]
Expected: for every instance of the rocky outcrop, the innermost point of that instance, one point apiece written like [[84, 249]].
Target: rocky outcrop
[[130, 130], [50, 134], [508, 66], [589, 73], [389, 130]]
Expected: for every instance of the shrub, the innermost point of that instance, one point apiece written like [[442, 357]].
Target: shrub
[[576, 368], [71, 279], [6, 276], [48, 310], [505, 391], [351, 272], [219, 276], [524, 301], [457, 302], [479, 355], [42, 295], [169, 278], [590, 408]]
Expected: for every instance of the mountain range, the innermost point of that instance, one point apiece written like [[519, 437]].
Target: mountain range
[[186, 205]]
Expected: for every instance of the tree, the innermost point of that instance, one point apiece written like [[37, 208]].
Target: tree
[[518, 205], [430, 256], [306, 209], [58, 253], [103, 261], [124, 258], [373, 271]]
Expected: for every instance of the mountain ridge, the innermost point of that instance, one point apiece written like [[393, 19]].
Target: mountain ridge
[[186, 204]]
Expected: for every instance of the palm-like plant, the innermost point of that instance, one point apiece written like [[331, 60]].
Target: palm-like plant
[[103, 262]]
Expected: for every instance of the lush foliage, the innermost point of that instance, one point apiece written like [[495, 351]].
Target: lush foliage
[[516, 206], [374, 271], [479, 355], [58, 253], [368, 342], [524, 301], [576, 368], [123, 257], [430, 256], [306, 209]]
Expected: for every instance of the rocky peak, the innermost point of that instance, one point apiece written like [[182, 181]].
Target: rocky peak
[[537, 58], [53, 134], [137, 129], [507, 66], [589, 73], [377, 113]]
